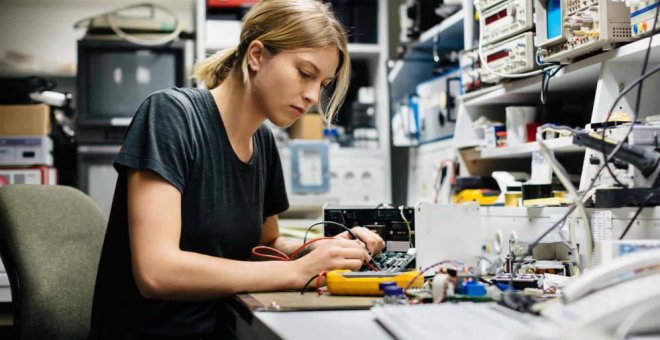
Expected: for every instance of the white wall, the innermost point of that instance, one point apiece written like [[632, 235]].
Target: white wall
[[37, 36]]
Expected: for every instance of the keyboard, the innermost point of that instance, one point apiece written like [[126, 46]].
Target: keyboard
[[452, 321]]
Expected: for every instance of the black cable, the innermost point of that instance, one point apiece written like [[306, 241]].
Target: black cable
[[545, 82], [637, 101], [632, 85], [304, 288], [324, 223], [553, 227], [627, 89], [609, 170], [646, 58], [639, 211], [609, 157]]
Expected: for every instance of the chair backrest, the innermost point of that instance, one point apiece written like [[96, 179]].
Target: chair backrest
[[50, 242]]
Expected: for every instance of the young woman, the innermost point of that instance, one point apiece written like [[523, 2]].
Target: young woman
[[200, 181]]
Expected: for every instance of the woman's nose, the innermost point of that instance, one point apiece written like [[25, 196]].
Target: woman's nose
[[311, 95]]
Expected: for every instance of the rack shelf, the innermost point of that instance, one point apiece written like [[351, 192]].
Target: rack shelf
[[449, 35], [581, 74], [558, 145]]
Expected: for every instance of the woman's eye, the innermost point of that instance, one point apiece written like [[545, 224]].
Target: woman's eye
[[304, 74]]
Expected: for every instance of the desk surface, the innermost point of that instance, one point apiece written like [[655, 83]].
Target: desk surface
[[293, 316], [354, 324]]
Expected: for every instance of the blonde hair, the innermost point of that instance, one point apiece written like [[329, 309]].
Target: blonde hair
[[283, 25]]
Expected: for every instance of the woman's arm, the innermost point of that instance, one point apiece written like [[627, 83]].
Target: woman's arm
[[270, 236], [163, 271]]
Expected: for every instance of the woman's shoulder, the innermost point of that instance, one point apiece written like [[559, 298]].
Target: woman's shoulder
[[180, 96]]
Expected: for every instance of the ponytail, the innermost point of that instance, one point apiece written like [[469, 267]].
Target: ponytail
[[284, 25], [214, 69]]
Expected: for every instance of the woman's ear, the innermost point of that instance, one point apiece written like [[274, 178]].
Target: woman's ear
[[255, 54]]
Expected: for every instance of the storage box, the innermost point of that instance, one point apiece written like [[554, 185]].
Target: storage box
[[309, 126], [26, 150], [43, 175], [24, 120]]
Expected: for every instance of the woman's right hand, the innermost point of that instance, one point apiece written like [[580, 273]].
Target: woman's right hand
[[331, 254]]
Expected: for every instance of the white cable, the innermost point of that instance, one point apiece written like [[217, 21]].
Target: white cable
[[635, 316], [573, 223], [408, 225], [563, 178], [572, 245], [484, 64], [109, 16]]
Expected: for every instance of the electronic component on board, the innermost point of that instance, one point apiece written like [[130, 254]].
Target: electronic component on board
[[519, 281]]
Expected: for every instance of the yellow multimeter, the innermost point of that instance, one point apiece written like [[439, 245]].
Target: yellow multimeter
[[346, 282]]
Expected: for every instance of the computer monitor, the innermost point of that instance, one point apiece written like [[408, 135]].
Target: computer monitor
[[114, 77]]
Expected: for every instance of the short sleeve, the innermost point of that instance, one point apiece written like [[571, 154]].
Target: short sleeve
[[275, 199], [159, 139]]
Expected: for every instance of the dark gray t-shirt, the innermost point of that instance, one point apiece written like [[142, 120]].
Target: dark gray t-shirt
[[178, 133]]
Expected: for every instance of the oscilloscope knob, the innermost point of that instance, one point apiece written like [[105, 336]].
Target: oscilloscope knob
[[511, 10]]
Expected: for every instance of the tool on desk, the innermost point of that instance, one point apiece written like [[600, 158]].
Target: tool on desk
[[345, 282]]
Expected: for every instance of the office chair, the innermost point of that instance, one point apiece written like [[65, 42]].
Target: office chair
[[50, 243]]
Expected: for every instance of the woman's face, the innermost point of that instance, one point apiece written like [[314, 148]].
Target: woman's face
[[288, 83]]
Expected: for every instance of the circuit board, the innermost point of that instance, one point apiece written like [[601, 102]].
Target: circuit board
[[395, 226], [392, 261]]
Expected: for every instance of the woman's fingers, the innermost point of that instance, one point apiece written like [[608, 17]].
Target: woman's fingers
[[372, 240]]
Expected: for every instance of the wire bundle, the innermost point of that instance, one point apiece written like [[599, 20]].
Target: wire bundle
[[261, 251]]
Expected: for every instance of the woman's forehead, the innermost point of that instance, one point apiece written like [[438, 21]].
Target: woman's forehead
[[324, 60]]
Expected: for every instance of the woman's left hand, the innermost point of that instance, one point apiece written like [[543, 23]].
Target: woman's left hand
[[372, 241]]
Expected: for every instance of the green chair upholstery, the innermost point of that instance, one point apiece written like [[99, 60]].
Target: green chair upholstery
[[50, 243]]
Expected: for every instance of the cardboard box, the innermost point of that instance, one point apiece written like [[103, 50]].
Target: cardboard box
[[25, 120], [309, 126]]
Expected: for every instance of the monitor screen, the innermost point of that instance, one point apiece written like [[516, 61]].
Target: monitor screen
[[120, 81], [115, 77], [553, 19]]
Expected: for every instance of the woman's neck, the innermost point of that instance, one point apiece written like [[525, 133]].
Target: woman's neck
[[240, 116]]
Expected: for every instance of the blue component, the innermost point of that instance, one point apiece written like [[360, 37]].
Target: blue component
[[635, 29], [644, 10], [553, 18], [413, 102], [503, 287], [393, 291], [383, 285], [473, 288]]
